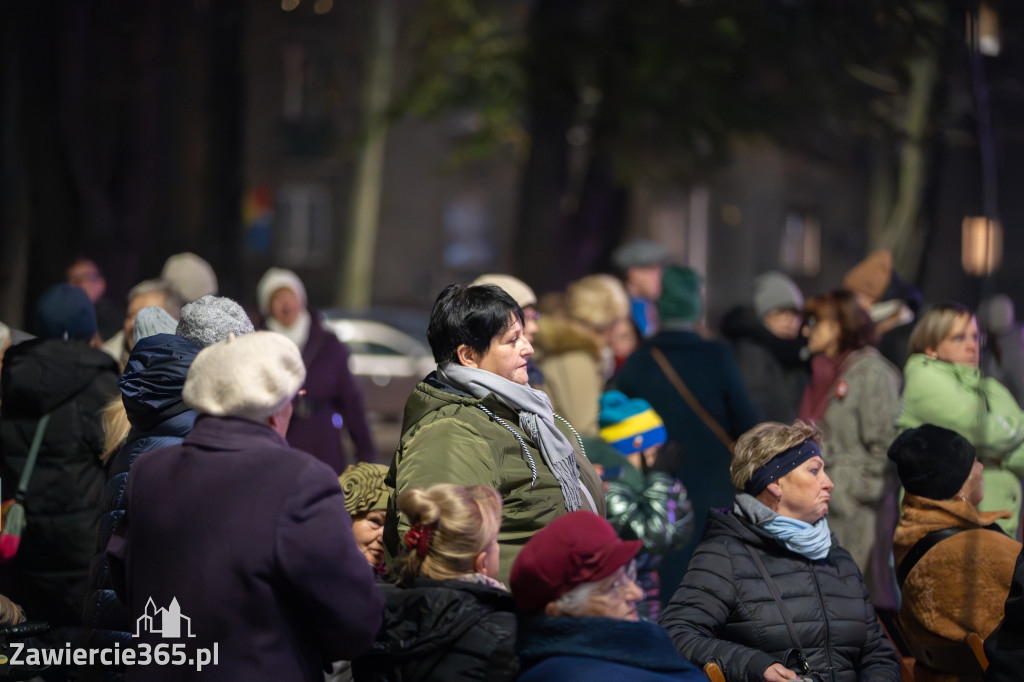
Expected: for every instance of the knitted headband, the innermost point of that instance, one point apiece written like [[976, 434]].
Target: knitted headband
[[780, 465]]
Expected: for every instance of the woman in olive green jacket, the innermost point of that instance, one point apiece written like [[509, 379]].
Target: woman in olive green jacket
[[942, 386], [476, 421]]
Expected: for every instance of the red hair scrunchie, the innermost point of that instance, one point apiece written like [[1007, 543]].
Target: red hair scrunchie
[[418, 537]]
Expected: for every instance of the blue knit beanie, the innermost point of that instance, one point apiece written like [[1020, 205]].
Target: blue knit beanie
[[630, 424], [65, 309], [680, 295]]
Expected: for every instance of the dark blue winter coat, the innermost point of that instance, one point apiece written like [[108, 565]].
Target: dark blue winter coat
[[598, 650], [151, 390]]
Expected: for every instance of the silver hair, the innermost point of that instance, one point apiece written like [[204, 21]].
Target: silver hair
[[150, 286], [573, 602]]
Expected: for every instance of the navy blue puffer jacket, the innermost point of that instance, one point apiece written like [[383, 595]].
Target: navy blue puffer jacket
[[151, 390]]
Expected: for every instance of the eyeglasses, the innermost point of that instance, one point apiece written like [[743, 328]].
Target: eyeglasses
[[624, 582]]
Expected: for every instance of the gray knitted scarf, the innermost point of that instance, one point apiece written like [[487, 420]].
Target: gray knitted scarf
[[536, 418]]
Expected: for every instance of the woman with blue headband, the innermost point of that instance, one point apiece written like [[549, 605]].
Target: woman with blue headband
[[769, 594]]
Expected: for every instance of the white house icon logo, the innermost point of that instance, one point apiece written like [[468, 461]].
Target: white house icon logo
[[163, 622]]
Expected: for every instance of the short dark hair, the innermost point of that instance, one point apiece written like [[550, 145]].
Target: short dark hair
[[471, 316], [856, 329]]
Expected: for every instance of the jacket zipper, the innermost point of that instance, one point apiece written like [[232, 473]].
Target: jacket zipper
[[824, 614]]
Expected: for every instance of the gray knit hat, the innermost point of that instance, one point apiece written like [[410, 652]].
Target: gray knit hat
[[251, 376], [776, 291], [211, 318], [153, 320], [639, 253]]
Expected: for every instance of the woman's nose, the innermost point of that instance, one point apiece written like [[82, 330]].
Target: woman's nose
[[527, 347]]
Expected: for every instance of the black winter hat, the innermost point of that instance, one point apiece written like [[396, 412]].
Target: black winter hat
[[932, 462]]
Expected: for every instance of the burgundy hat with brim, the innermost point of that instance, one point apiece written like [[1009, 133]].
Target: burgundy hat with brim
[[579, 547]]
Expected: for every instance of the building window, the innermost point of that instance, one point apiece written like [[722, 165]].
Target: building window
[[304, 217], [800, 246]]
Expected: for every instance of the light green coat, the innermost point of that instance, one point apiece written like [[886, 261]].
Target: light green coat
[[981, 410], [448, 438]]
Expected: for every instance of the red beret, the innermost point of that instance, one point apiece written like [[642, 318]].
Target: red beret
[[579, 547]]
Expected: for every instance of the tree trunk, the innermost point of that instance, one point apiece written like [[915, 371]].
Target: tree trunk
[[903, 234], [355, 280]]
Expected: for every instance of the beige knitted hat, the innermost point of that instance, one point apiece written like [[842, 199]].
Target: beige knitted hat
[[190, 276], [251, 376], [520, 292]]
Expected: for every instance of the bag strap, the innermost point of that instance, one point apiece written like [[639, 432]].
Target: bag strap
[[691, 400], [30, 463], [776, 596], [922, 546]]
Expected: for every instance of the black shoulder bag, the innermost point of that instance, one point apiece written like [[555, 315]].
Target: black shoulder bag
[[796, 660]]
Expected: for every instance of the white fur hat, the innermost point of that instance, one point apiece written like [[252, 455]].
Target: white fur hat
[[274, 279], [251, 376]]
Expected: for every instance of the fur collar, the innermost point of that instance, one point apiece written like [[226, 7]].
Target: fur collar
[[556, 336], [922, 515]]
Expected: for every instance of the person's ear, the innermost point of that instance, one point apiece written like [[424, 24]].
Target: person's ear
[[775, 489], [480, 563], [467, 356], [931, 352]]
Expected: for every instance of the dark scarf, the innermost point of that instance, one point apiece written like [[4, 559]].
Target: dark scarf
[[639, 644], [825, 373]]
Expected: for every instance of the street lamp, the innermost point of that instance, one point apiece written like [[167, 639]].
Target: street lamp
[[982, 245]]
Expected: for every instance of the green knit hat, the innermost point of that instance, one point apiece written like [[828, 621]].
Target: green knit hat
[[680, 295]]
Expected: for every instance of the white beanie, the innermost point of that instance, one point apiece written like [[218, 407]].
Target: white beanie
[[190, 276], [274, 279], [251, 376], [520, 292]]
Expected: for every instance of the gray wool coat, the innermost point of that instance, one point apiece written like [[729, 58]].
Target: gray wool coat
[[859, 425]]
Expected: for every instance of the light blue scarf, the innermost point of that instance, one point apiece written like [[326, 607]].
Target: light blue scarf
[[801, 537]]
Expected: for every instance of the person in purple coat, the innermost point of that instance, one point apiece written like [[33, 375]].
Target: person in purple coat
[[331, 399], [235, 543]]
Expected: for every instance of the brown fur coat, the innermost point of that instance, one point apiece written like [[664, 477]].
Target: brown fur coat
[[570, 356], [959, 586]]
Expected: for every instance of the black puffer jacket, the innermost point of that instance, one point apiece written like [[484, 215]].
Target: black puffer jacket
[[724, 611], [71, 382], [776, 371], [151, 390], [439, 631]]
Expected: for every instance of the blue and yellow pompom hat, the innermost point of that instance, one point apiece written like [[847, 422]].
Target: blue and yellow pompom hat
[[630, 424]]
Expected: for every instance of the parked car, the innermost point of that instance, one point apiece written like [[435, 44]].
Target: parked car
[[386, 362]]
